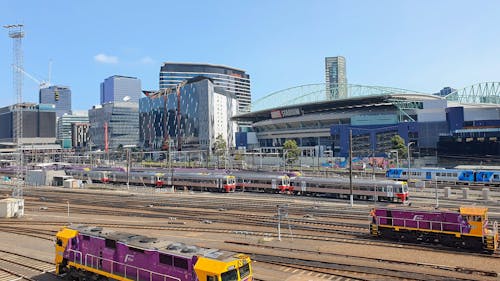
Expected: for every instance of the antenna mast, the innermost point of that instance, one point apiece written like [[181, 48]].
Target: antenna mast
[[16, 33]]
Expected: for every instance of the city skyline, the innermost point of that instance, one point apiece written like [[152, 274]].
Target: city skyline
[[422, 46]]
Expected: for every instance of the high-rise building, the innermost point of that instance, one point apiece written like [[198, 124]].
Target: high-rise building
[[118, 88], [336, 79], [38, 126], [114, 123], [205, 113], [60, 96], [232, 80], [65, 126]]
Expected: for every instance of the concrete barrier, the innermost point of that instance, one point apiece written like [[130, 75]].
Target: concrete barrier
[[447, 192], [486, 193], [465, 193]]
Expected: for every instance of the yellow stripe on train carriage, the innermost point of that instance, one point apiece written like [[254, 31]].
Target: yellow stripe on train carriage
[[457, 234]]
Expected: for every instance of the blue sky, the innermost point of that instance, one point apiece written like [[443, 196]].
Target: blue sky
[[417, 45]]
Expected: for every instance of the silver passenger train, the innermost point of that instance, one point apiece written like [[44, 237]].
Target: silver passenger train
[[363, 189], [222, 181]]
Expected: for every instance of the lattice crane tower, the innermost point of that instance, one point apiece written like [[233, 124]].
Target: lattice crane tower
[[16, 33]]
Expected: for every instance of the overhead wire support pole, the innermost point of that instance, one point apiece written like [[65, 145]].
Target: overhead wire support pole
[[350, 169]]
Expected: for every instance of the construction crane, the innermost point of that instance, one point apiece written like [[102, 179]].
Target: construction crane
[[41, 84], [16, 32]]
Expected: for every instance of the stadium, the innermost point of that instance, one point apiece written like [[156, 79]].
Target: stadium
[[455, 126]]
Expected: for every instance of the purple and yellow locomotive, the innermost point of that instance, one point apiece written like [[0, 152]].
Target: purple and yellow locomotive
[[92, 253], [466, 228]]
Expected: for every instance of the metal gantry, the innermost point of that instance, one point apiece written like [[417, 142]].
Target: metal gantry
[[485, 93], [16, 32]]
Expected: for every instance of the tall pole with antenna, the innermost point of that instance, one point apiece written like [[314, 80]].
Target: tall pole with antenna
[[16, 32]]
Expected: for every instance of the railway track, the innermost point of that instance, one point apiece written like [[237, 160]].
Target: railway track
[[368, 259], [330, 223], [21, 267]]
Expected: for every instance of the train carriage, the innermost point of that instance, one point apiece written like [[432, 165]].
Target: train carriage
[[137, 178], [200, 181], [92, 253], [466, 228], [264, 182], [364, 189], [86, 174], [488, 177]]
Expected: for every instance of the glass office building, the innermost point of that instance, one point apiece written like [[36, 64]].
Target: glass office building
[[121, 122], [116, 88], [232, 80], [59, 96], [203, 113], [336, 79]]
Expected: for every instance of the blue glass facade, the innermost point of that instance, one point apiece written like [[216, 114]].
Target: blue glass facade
[[201, 118], [116, 88]]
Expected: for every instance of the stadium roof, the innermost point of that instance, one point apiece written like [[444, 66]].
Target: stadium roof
[[339, 104]]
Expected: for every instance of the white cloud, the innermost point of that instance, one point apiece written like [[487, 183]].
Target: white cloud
[[103, 58], [147, 60]]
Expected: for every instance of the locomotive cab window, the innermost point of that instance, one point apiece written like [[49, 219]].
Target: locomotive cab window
[[110, 244], [59, 242], [212, 278], [166, 259], [180, 263]]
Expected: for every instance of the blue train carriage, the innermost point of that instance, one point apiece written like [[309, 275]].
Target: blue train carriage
[[466, 228], [92, 253], [432, 174], [488, 177]]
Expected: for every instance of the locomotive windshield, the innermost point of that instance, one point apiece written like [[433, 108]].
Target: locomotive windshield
[[231, 275], [245, 270]]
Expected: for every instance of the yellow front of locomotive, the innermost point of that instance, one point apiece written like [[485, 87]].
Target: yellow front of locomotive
[[62, 240], [239, 269]]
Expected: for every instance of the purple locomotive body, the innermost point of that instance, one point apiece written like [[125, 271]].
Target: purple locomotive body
[[136, 256], [422, 220]]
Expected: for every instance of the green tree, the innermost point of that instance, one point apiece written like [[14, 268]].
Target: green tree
[[398, 143], [291, 151], [219, 148]]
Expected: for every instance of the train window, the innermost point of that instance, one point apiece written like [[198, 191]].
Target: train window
[[110, 243], [180, 263], [166, 259], [85, 237], [244, 271], [231, 275], [404, 173], [136, 250], [59, 242], [211, 278], [495, 177]]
